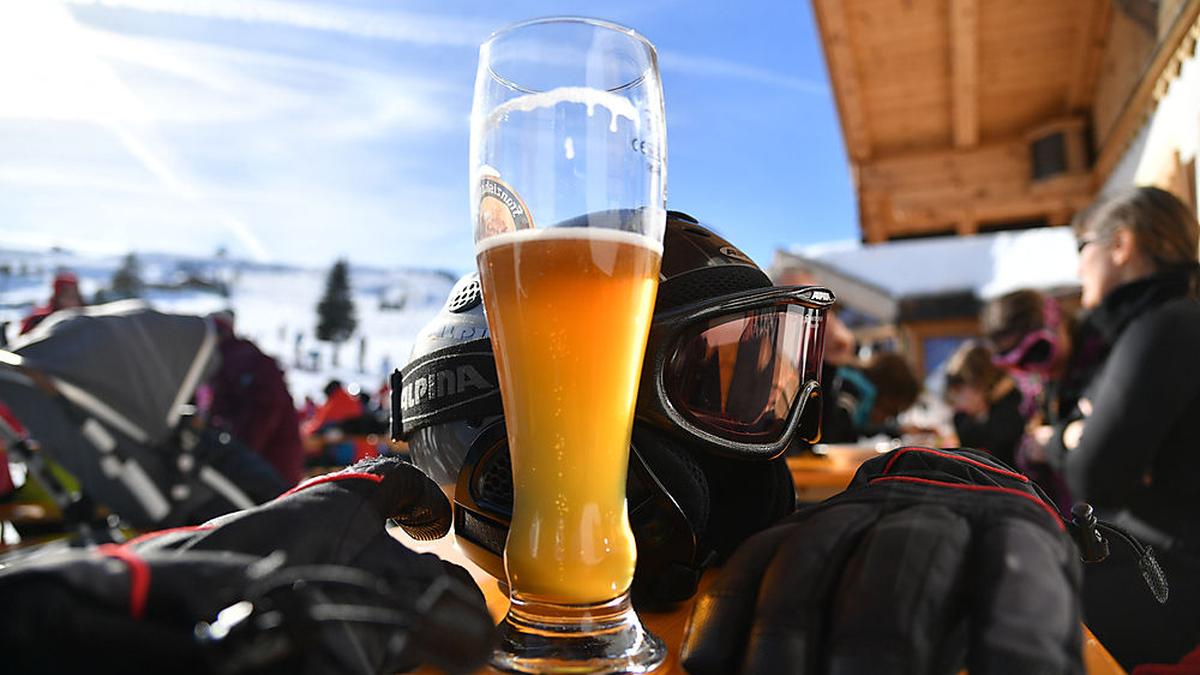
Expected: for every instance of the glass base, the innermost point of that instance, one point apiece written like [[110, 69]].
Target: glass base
[[607, 637]]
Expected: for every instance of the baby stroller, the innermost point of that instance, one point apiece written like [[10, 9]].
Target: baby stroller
[[103, 393]]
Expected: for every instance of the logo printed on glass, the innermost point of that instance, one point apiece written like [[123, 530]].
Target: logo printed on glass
[[500, 209]]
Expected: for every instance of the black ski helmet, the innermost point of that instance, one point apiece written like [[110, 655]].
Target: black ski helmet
[[692, 497]]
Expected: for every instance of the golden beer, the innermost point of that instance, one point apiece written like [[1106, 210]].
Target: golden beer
[[569, 310]]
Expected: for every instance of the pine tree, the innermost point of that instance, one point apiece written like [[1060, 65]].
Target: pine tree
[[127, 280], [336, 319]]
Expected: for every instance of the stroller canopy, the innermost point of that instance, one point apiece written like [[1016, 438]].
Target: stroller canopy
[[125, 363]]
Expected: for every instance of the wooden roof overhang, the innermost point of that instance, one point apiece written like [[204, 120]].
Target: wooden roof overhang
[[941, 102]]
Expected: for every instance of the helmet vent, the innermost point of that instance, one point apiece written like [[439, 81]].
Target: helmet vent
[[467, 298], [704, 284], [493, 482]]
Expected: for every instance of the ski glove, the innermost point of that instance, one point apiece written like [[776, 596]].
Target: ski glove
[[308, 583], [930, 561]]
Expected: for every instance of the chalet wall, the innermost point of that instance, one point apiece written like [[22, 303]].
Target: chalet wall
[[1165, 149]]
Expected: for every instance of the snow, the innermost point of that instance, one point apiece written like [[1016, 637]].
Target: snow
[[274, 305], [989, 264]]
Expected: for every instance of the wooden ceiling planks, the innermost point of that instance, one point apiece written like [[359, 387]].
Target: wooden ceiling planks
[[964, 76], [1093, 22], [938, 98], [902, 51], [1026, 54], [840, 59]]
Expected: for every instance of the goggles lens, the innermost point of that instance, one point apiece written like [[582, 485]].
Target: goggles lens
[[740, 376]]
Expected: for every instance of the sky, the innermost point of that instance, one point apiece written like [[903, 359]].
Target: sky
[[300, 132]]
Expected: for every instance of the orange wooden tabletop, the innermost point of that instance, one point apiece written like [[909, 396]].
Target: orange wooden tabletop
[[668, 625], [671, 625], [827, 471]]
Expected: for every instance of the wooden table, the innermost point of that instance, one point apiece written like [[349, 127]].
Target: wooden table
[[671, 625], [826, 471]]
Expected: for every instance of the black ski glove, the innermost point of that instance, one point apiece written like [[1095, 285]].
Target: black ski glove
[[930, 561], [308, 583]]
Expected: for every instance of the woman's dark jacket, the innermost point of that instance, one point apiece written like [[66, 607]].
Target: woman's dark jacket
[[1140, 448], [1138, 462]]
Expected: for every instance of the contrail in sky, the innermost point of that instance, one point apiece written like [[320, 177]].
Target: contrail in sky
[[74, 83]]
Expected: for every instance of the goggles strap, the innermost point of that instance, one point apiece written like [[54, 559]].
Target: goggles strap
[[454, 383]]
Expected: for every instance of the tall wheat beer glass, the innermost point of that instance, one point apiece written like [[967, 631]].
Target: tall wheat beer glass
[[568, 176]]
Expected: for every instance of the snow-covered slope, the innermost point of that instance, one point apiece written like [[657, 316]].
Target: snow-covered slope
[[275, 305]]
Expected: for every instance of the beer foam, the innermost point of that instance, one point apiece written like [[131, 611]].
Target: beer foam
[[617, 106], [589, 233]]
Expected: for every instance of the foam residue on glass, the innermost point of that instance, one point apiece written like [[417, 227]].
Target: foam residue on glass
[[592, 98]]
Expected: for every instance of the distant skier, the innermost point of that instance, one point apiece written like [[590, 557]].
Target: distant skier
[[299, 342], [64, 296]]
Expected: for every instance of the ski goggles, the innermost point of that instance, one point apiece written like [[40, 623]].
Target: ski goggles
[[740, 373], [1035, 352]]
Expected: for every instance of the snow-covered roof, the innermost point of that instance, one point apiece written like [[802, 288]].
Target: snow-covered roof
[[984, 265]]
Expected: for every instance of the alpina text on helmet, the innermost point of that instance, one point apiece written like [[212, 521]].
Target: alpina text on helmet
[[443, 383]]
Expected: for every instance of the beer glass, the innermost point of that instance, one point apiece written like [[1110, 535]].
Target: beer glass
[[568, 175]]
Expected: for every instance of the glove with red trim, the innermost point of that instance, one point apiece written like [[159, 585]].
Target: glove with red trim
[[929, 562], [308, 583]]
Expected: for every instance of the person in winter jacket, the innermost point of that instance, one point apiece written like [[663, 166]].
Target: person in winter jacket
[[1129, 447], [250, 400], [1032, 340], [64, 296], [863, 401], [340, 407], [986, 403], [1051, 358]]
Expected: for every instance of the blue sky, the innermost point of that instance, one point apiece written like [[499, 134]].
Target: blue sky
[[303, 131]]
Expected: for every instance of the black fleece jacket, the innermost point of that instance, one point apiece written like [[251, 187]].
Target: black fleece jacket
[[1140, 448]]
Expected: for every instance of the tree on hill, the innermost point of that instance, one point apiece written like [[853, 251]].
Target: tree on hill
[[336, 319], [127, 280]]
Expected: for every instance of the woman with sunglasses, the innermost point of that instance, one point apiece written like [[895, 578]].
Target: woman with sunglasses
[[1130, 445]]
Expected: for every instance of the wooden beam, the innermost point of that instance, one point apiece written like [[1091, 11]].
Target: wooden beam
[[964, 72], [1094, 19], [1142, 101], [838, 43], [874, 214], [962, 190], [920, 214], [997, 161]]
